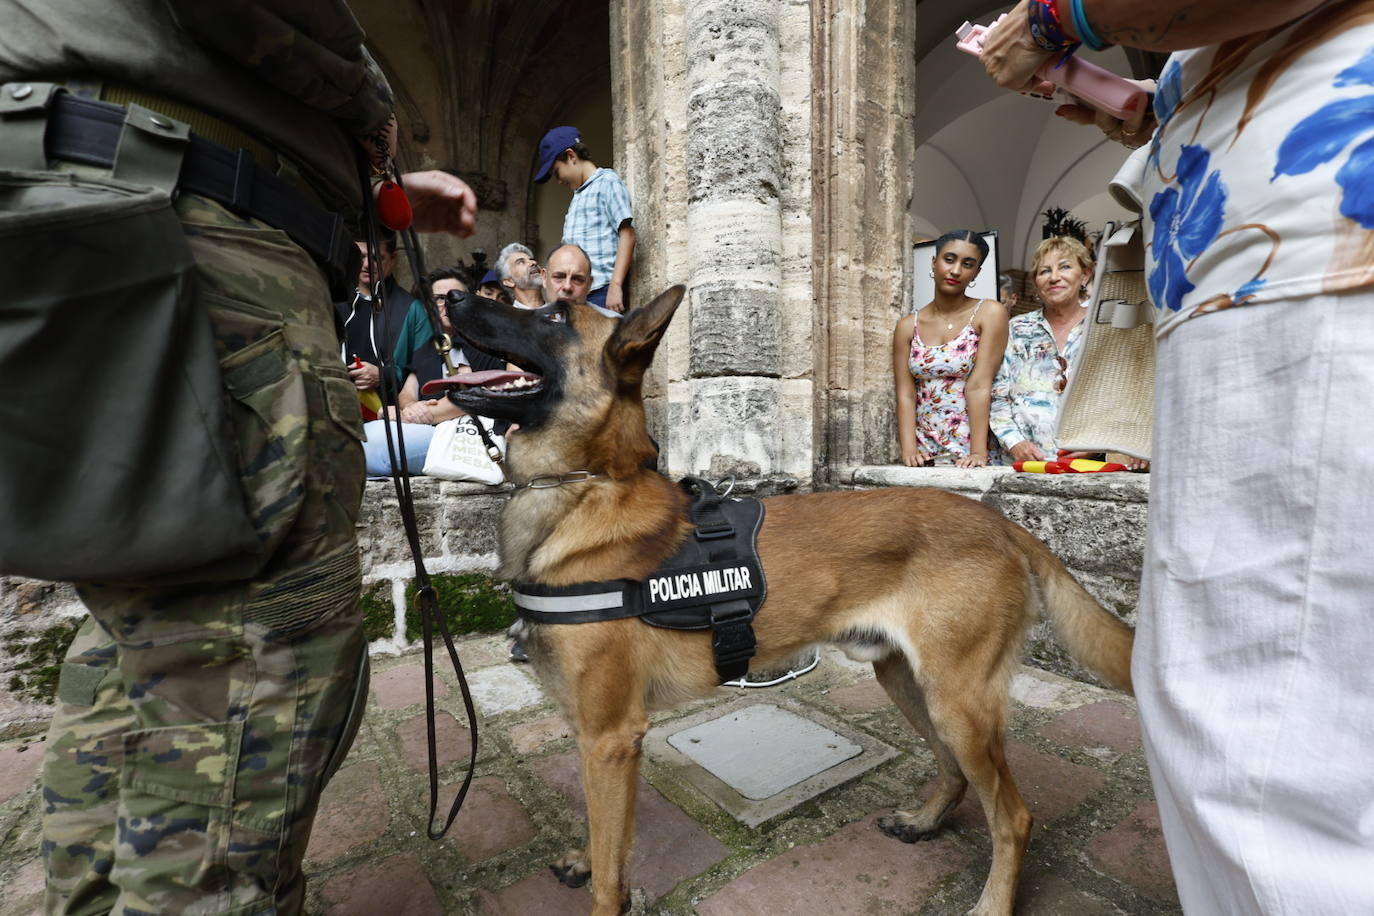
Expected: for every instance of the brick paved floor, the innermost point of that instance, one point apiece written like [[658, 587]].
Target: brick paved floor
[[1074, 749]]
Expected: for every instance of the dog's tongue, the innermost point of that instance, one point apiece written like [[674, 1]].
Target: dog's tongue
[[488, 377]]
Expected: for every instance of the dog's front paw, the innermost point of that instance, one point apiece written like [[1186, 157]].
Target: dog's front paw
[[905, 828], [571, 869]]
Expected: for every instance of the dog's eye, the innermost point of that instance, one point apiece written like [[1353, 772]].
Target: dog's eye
[[558, 315]]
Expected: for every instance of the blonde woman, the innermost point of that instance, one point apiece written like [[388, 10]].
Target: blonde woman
[[1041, 349]]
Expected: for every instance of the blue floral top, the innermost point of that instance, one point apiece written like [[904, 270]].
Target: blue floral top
[[1025, 404], [1260, 183]]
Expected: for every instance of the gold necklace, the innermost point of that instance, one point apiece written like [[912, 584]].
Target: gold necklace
[[949, 325]]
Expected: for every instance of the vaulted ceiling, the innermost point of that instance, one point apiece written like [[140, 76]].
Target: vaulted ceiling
[[479, 81]]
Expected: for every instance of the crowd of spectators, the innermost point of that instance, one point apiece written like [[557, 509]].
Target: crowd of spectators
[[589, 267]]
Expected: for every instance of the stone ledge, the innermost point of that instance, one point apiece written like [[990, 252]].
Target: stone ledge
[[1121, 487]]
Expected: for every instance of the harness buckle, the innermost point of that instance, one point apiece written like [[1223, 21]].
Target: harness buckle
[[732, 639], [713, 532]]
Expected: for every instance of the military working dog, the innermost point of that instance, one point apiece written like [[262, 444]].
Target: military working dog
[[935, 589]]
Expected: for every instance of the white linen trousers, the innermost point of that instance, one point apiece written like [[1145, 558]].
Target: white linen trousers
[[1254, 654]]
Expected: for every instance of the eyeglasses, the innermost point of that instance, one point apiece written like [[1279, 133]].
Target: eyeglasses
[[1062, 381]]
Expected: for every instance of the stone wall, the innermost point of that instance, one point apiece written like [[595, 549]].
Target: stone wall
[[1096, 523]]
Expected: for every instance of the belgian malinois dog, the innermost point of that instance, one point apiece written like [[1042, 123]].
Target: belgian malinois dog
[[935, 589]]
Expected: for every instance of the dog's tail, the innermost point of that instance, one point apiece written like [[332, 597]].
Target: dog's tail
[[1092, 634]]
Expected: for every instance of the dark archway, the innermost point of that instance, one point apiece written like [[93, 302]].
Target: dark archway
[[478, 83]]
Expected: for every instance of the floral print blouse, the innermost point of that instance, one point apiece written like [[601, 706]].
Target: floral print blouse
[[942, 424], [1025, 402], [1260, 183]]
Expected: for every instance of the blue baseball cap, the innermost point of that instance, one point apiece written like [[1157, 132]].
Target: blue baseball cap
[[552, 146], [490, 278]]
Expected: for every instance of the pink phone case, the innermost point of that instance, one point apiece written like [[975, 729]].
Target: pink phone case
[[1084, 81]]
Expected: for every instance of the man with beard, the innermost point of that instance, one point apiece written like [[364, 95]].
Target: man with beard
[[521, 275]]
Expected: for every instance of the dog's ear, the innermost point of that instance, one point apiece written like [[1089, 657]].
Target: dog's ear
[[631, 348]]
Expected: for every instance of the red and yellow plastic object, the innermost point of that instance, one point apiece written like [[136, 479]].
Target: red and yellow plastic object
[[369, 401], [1086, 466], [1038, 467], [1075, 466]]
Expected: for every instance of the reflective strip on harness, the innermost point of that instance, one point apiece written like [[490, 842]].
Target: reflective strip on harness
[[566, 604]]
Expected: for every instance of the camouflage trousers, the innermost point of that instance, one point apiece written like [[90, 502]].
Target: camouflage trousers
[[197, 724]]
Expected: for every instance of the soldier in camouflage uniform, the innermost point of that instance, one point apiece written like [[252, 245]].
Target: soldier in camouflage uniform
[[198, 723]]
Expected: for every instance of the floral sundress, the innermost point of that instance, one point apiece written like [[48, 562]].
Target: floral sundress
[[942, 423]]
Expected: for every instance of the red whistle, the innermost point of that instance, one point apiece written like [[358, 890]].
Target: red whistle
[[393, 207]]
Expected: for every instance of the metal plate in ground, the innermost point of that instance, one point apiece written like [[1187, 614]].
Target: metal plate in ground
[[734, 732], [760, 750]]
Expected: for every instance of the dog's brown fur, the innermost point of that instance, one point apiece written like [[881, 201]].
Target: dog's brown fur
[[936, 589]]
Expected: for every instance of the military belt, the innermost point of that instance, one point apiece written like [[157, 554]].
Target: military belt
[[88, 132]]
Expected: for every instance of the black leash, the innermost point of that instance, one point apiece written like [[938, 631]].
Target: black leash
[[431, 617]]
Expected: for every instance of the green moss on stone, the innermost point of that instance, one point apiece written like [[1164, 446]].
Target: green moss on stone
[[40, 661], [470, 602], [379, 615]]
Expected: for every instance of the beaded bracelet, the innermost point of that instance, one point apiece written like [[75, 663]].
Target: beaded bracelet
[[1084, 30], [1045, 27]]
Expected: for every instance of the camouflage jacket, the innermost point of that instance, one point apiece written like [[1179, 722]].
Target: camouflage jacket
[[293, 73]]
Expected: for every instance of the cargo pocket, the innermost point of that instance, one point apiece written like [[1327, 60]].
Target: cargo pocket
[[270, 420], [175, 794], [341, 447]]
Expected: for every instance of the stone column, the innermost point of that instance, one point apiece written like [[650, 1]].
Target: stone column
[[863, 103], [730, 419], [767, 146], [648, 89]]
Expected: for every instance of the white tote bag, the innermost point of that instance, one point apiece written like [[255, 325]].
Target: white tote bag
[[457, 452]]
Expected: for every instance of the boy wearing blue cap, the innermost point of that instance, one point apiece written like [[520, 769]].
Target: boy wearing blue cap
[[491, 288], [599, 218]]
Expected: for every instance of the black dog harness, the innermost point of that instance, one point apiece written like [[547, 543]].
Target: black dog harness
[[715, 581]]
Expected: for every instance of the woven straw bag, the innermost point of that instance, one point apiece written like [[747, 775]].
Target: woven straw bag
[[1108, 406]]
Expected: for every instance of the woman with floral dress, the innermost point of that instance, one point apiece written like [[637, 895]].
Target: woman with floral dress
[[944, 357]]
